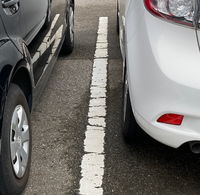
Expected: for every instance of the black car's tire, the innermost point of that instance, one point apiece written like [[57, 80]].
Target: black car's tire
[[117, 18], [68, 44], [16, 142], [130, 128]]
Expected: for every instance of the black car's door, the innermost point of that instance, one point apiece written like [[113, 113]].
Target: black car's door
[[41, 25], [46, 45], [34, 12], [13, 17], [23, 18]]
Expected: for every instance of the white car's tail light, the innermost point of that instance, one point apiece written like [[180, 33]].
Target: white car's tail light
[[181, 11]]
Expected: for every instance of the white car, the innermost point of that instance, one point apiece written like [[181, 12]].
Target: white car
[[159, 42]]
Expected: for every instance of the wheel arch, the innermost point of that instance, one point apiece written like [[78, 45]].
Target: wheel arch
[[21, 77], [22, 74]]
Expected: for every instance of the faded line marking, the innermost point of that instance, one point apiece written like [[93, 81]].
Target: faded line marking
[[92, 166]]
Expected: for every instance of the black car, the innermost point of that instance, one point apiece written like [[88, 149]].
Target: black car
[[32, 33]]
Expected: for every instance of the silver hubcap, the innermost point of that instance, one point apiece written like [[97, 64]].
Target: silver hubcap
[[71, 24], [19, 141]]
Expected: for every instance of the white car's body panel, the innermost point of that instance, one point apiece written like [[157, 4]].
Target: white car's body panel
[[163, 65]]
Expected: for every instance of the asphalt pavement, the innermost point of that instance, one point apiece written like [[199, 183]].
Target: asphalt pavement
[[60, 120]]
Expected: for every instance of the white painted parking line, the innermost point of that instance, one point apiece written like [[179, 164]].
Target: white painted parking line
[[92, 166]]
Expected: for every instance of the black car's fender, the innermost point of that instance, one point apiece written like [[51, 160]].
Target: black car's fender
[[16, 70]]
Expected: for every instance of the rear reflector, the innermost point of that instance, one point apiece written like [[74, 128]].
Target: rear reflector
[[173, 119]]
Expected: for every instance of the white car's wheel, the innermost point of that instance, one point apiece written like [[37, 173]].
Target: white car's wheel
[[130, 128], [16, 143]]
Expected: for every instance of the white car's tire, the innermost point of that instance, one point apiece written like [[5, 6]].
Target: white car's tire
[[130, 128]]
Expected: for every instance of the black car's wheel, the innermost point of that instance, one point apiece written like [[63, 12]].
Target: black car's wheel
[[68, 44], [117, 18], [130, 128], [16, 143]]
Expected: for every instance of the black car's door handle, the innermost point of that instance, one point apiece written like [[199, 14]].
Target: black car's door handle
[[9, 3]]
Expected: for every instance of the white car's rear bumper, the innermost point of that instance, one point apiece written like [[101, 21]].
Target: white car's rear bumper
[[163, 63]]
